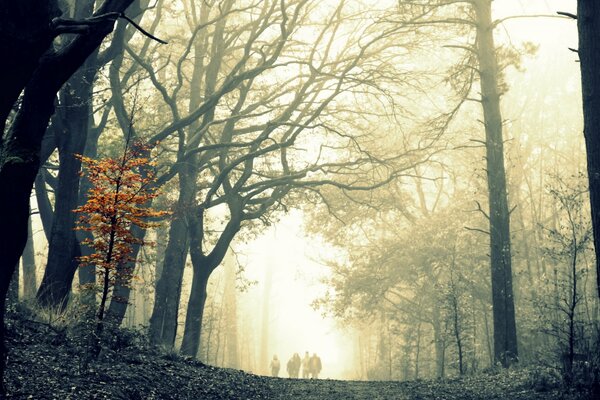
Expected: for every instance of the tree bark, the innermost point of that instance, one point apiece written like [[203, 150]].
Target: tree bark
[[119, 300], [588, 23], [163, 322], [195, 311], [26, 35], [204, 265], [87, 273], [29, 270], [505, 332], [230, 298], [76, 110], [44, 204]]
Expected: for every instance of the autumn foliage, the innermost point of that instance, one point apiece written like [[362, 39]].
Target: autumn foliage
[[120, 196]]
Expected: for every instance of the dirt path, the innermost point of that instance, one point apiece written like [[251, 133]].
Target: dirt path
[[502, 386], [330, 389]]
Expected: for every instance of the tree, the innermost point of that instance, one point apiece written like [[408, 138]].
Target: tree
[[588, 24], [261, 96], [73, 131], [568, 242], [29, 29], [117, 200], [476, 16], [424, 275], [505, 329]]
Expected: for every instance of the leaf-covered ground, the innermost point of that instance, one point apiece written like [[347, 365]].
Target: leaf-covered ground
[[47, 363]]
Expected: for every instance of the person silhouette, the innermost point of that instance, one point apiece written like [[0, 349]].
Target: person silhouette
[[296, 361], [315, 366], [275, 365], [306, 366]]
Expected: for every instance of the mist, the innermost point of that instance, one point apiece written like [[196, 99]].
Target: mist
[[395, 191]]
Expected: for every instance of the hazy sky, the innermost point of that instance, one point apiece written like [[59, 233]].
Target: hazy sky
[[293, 257], [295, 325]]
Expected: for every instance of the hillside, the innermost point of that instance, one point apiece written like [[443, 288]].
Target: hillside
[[47, 363]]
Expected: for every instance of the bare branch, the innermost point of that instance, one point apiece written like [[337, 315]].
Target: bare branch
[[567, 14]]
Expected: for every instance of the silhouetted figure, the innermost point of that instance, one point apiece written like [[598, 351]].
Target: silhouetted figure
[[315, 366], [306, 366], [290, 367], [275, 365], [296, 361]]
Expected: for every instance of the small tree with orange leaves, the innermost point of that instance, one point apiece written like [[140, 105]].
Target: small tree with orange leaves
[[120, 196]]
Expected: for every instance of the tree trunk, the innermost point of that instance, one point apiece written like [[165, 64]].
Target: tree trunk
[[75, 113], [230, 298], [24, 28], [161, 247], [119, 300], [195, 311], [43, 203], [588, 23], [505, 332], [163, 322], [438, 343], [29, 270], [87, 273], [204, 265]]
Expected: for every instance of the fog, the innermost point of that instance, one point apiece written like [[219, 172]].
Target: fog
[[324, 178], [294, 325]]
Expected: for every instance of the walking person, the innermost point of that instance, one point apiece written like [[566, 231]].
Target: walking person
[[315, 366], [306, 366], [296, 361], [275, 365], [290, 367]]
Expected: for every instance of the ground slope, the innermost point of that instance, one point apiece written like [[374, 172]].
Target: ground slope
[[48, 363]]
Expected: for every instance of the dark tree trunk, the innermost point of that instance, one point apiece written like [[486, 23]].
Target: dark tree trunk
[[44, 204], [41, 192], [505, 332], [163, 322], [75, 113], [588, 23], [62, 264], [13, 235], [25, 33], [204, 265], [24, 27], [195, 311], [122, 289], [161, 246], [438, 342]]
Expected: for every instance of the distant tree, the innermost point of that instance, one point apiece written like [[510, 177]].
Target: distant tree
[[569, 242], [425, 274]]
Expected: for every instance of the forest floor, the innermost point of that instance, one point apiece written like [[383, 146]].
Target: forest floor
[[47, 362]]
